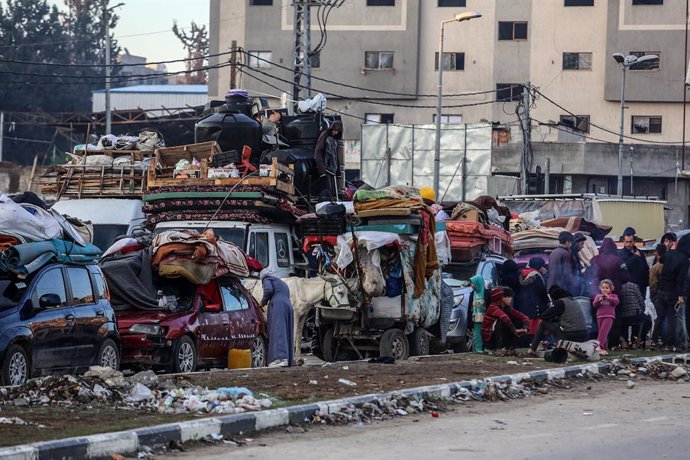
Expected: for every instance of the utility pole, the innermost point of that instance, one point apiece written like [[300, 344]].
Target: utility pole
[[108, 114], [2, 131], [233, 64], [302, 24], [547, 177], [526, 137]]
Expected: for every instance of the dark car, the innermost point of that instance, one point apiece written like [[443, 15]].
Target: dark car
[[219, 316], [57, 320], [457, 276]]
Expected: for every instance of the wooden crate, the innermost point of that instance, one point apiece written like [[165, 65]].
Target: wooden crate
[[167, 157]]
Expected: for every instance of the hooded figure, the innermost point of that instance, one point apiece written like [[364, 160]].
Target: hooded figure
[[279, 321], [510, 277], [671, 290], [532, 297], [607, 265], [328, 154], [503, 324]]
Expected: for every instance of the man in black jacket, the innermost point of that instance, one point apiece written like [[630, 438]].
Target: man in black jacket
[[670, 292], [564, 318], [635, 261]]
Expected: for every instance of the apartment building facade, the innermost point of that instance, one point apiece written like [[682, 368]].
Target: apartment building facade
[[388, 50]]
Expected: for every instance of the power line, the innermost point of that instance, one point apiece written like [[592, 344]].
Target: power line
[[369, 100], [536, 90], [55, 64], [345, 85]]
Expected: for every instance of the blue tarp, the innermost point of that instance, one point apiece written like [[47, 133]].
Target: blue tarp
[[25, 259]]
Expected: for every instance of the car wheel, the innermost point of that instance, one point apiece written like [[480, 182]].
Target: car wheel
[[419, 342], [259, 352], [108, 355], [394, 344], [466, 343], [329, 345], [183, 356], [16, 369]]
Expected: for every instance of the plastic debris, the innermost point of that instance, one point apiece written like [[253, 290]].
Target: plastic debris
[[347, 382]]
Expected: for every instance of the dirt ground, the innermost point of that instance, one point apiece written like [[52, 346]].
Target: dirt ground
[[287, 386]]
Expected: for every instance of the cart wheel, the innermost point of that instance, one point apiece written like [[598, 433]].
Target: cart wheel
[[329, 345], [419, 342], [394, 344]]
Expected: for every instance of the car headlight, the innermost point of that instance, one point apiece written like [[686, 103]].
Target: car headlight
[[148, 329], [457, 299]]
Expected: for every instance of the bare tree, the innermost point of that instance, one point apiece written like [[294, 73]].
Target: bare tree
[[195, 41]]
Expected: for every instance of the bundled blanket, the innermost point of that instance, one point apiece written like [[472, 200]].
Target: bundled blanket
[[24, 259]]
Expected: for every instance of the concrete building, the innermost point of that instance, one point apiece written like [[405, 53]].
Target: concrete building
[[387, 50], [138, 72]]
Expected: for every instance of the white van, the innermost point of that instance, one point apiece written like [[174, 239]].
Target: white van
[[111, 217], [271, 244]]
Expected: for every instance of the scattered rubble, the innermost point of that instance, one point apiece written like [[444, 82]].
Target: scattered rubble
[[141, 391]]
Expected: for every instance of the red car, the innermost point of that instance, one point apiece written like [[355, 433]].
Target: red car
[[223, 315]]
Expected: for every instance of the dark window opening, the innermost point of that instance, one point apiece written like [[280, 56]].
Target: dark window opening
[[451, 61], [576, 122], [579, 3], [509, 30], [380, 2], [443, 3], [648, 2], [261, 2], [509, 91]]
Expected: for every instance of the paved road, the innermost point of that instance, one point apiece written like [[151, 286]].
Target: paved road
[[605, 421]]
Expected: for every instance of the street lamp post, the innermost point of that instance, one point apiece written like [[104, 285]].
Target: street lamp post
[[466, 16], [625, 62]]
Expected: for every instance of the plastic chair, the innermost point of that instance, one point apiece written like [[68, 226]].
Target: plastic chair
[[245, 166]]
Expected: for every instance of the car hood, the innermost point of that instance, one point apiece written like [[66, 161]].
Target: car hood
[[128, 318]]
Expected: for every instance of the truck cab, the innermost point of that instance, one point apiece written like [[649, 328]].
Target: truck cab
[[111, 217], [272, 245]]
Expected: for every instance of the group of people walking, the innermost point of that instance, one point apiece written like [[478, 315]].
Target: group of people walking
[[626, 295]]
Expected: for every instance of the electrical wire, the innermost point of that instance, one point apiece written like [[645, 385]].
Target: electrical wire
[[345, 85], [610, 131], [369, 100]]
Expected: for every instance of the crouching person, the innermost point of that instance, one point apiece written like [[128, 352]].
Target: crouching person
[[503, 324], [564, 318]]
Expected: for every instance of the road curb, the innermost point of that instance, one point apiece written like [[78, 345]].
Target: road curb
[[131, 441]]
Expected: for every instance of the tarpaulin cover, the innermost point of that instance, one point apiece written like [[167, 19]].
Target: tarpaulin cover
[[23, 259], [130, 280], [34, 225]]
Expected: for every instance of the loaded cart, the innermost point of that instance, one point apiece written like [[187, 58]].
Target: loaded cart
[[387, 257]]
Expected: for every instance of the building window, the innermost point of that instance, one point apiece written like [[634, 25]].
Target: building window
[[652, 64], [378, 118], [577, 61], [380, 2], [260, 59], [512, 30], [579, 3], [315, 60], [576, 122], [453, 119], [378, 59], [509, 91], [442, 3], [646, 125], [261, 2], [451, 61], [648, 2]]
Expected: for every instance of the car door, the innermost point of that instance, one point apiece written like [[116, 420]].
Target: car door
[[52, 327], [212, 338], [89, 315], [241, 326]]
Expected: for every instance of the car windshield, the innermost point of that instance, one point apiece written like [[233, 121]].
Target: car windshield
[[104, 234], [234, 235], [10, 292], [461, 272]]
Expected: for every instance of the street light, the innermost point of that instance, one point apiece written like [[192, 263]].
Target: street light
[[466, 16], [626, 62], [106, 20]]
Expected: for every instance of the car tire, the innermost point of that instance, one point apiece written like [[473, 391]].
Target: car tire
[[394, 344], [329, 345], [419, 342], [259, 351], [108, 355], [466, 343], [183, 357], [16, 369]]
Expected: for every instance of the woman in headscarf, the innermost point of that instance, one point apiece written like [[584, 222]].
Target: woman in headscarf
[[280, 321], [329, 155], [510, 277], [479, 305], [607, 265], [533, 297]]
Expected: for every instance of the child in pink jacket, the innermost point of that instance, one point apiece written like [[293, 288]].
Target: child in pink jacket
[[605, 303]]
